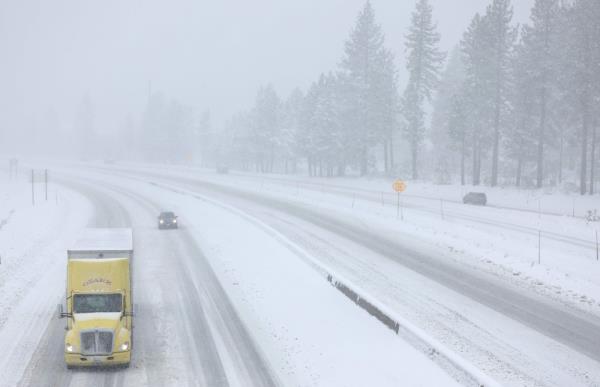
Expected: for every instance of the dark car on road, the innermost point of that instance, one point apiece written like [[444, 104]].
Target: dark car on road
[[477, 198], [166, 220]]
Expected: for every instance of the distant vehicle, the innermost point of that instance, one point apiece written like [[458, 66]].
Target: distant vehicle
[[99, 303], [222, 169], [167, 219], [476, 198]]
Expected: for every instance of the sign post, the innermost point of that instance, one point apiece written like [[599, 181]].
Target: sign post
[[399, 186]]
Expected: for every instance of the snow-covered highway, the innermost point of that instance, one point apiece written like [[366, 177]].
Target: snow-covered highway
[[177, 292], [231, 298], [517, 337], [255, 315]]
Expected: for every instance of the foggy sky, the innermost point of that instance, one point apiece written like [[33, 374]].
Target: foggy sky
[[207, 54]]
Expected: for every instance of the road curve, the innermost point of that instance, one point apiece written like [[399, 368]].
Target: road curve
[[180, 300], [576, 330]]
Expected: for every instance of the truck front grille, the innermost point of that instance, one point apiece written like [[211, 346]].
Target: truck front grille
[[96, 342]]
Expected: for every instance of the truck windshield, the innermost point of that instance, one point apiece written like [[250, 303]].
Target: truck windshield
[[97, 303]]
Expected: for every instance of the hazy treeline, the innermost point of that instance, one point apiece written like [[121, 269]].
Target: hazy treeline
[[521, 104], [511, 104]]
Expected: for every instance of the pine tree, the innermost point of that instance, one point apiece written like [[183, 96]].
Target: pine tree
[[424, 64], [458, 130], [501, 40], [267, 128], [364, 61], [477, 90], [539, 52], [291, 118], [519, 140], [441, 134], [388, 105], [205, 138], [584, 20]]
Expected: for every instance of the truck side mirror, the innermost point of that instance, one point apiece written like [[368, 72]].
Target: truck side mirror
[[61, 313], [134, 310]]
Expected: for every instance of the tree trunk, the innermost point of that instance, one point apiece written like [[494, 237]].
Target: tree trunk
[[541, 139], [561, 157], [584, 146], [593, 158], [386, 157], [363, 161], [474, 171], [462, 160], [476, 162], [415, 174], [391, 142], [495, 153], [519, 169]]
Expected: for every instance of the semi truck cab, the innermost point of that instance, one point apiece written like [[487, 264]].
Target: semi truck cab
[[99, 301]]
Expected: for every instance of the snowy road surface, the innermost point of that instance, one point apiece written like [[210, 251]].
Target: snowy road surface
[[185, 289], [233, 321], [520, 339]]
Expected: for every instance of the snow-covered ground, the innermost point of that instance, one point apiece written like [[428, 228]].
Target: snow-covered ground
[[33, 241], [311, 334], [513, 353], [549, 200], [553, 255], [308, 332]]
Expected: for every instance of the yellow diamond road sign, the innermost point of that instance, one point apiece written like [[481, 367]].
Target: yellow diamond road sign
[[399, 186]]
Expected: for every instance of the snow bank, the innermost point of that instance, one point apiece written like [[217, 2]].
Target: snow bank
[[33, 243]]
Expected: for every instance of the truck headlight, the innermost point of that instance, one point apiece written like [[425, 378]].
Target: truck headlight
[[174, 220], [125, 346], [162, 221], [69, 347]]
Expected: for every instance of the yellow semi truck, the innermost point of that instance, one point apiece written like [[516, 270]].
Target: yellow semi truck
[[99, 300]]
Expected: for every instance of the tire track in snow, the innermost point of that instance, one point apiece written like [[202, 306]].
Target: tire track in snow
[[42, 372]]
